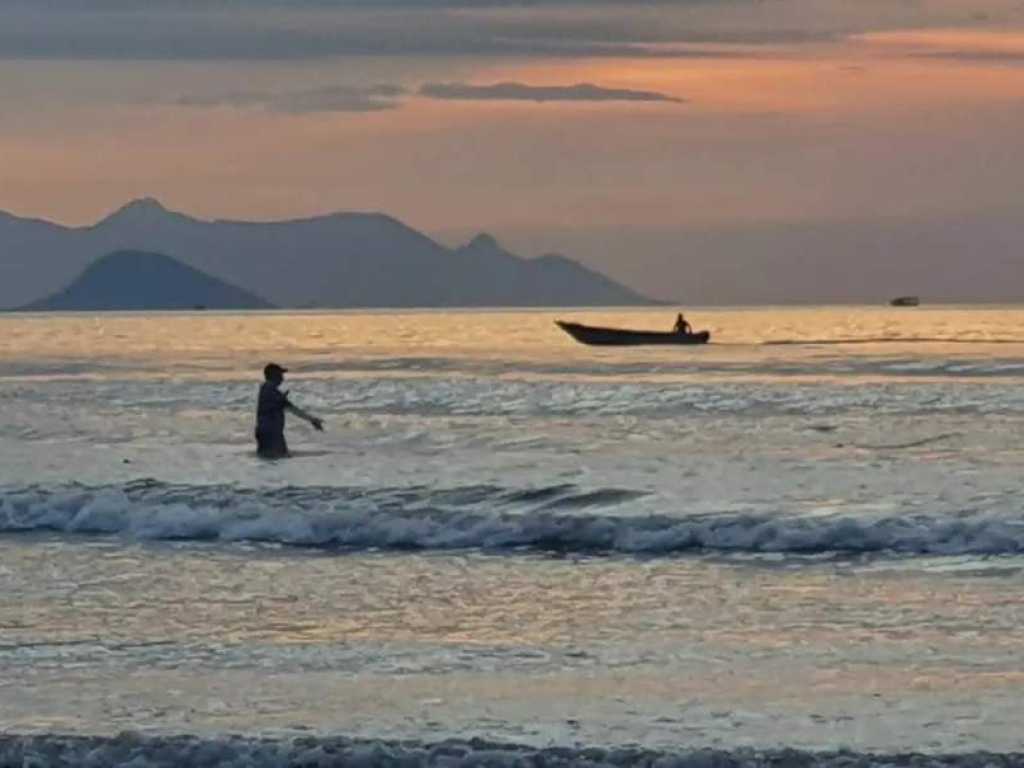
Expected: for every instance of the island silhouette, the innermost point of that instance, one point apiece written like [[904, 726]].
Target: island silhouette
[[137, 280], [341, 260]]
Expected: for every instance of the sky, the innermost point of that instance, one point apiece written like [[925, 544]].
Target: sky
[[649, 139]]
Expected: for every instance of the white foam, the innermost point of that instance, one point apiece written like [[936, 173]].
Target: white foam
[[131, 749], [561, 518]]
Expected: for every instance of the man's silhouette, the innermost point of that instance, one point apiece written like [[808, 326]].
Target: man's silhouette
[[270, 408]]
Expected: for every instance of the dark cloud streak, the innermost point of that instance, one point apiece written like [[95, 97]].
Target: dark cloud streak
[[227, 31], [292, 30], [102, 6], [375, 98], [342, 98], [539, 93], [180, 39], [986, 57]]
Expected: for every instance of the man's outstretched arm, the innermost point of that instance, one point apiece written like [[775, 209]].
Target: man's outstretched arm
[[316, 422]]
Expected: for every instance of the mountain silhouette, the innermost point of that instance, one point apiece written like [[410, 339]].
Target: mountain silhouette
[[136, 280], [334, 261]]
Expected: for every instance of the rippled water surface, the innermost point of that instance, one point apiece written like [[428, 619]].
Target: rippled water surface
[[808, 533]]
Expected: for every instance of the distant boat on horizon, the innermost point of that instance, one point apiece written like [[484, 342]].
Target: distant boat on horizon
[[905, 301]]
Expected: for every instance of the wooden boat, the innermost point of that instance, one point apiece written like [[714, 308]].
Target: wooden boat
[[905, 301], [618, 337]]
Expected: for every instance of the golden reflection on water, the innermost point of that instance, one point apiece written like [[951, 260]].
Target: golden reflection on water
[[594, 635], [820, 614], [182, 343]]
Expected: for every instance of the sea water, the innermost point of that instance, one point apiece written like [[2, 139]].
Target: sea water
[[802, 543]]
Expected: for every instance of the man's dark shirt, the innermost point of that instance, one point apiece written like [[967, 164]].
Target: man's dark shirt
[[270, 409]]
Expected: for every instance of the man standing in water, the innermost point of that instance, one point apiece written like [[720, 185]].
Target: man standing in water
[[270, 442]]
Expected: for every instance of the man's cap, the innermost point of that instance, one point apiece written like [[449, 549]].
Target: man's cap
[[272, 368]]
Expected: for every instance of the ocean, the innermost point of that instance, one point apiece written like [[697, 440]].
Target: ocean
[[801, 544]]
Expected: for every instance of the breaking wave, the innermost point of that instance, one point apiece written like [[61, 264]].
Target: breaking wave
[[562, 518], [130, 749]]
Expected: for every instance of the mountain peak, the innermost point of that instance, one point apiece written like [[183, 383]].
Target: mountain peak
[[144, 210], [143, 204], [483, 242]]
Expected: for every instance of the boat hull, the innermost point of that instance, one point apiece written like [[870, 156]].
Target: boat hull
[[905, 301], [620, 337]]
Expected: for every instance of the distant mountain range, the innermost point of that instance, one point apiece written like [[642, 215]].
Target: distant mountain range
[[337, 261], [134, 280]]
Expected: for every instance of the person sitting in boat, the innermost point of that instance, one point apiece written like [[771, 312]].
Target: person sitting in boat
[[682, 326]]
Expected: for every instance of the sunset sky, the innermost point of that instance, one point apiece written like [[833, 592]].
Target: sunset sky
[[617, 133]]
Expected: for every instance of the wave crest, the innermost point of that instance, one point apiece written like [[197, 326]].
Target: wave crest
[[134, 749], [561, 518]]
